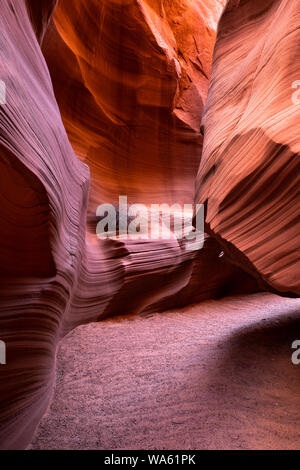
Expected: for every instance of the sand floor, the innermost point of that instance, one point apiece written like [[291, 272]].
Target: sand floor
[[216, 375]]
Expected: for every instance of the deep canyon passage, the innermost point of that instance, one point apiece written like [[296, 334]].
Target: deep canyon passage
[[133, 337]]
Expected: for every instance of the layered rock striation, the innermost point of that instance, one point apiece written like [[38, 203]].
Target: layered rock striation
[[55, 273], [131, 78], [249, 176], [123, 117]]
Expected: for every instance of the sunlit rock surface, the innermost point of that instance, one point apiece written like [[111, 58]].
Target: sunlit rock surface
[[130, 79], [249, 175], [40, 13], [55, 275]]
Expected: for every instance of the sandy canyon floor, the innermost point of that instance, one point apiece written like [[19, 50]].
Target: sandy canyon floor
[[216, 375]]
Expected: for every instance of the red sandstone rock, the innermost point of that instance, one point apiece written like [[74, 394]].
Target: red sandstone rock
[[43, 202], [40, 13], [56, 275], [249, 175], [131, 78]]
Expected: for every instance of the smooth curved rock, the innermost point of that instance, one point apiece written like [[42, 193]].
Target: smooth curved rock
[[25, 249], [131, 78], [44, 191], [249, 176], [40, 13], [56, 274]]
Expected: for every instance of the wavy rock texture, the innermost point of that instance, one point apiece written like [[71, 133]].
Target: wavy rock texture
[[43, 200], [55, 274], [249, 175], [131, 78], [40, 14]]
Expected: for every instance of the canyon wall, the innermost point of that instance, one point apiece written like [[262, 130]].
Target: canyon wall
[[114, 107], [249, 176], [131, 78], [55, 273]]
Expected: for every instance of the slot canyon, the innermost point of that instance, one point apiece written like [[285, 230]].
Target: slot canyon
[[120, 342]]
